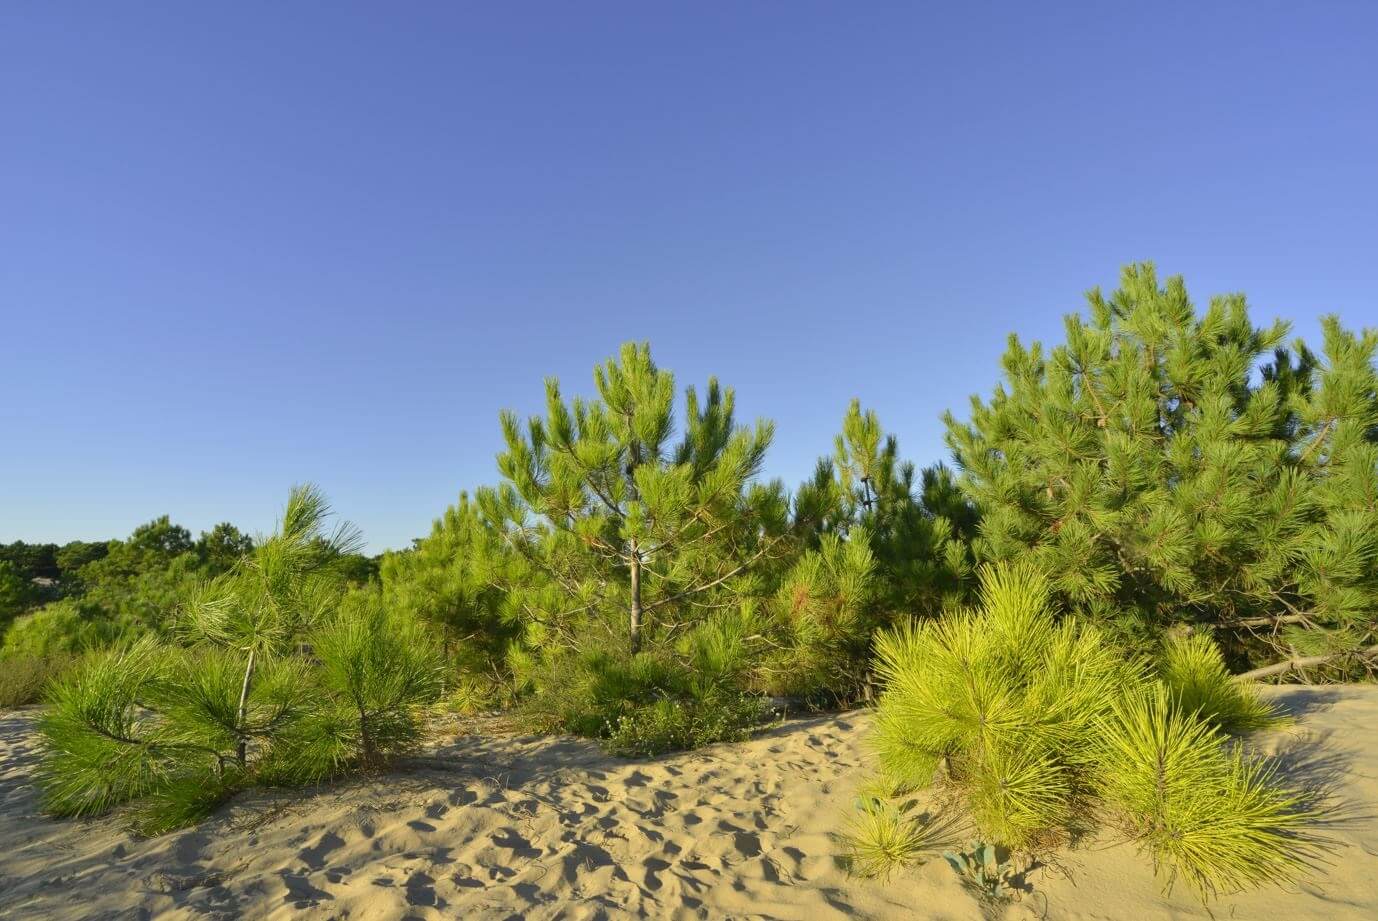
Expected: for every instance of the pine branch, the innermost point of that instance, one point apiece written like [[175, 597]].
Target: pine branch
[[1282, 668], [706, 586], [1267, 620], [1316, 442]]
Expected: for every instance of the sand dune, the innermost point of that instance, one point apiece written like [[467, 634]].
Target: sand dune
[[493, 825]]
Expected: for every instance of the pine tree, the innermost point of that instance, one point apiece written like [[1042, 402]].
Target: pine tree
[[615, 520], [919, 530], [289, 583], [454, 579], [1163, 466]]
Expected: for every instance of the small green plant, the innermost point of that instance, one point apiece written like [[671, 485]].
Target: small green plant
[[376, 670], [883, 836], [981, 870], [471, 695], [669, 724], [282, 677], [1032, 720]]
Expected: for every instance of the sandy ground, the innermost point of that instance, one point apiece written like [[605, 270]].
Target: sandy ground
[[503, 826]]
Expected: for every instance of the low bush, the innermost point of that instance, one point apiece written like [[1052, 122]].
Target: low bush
[[1035, 721], [660, 700], [65, 627], [23, 678], [1200, 806], [376, 670]]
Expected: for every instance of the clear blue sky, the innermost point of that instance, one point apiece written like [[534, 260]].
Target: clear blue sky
[[244, 245]]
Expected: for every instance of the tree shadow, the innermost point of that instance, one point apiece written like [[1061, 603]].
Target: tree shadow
[[1298, 701]]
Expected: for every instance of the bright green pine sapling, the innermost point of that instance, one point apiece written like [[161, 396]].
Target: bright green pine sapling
[[1195, 673], [377, 670], [883, 836], [1031, 720], [1204, 809]]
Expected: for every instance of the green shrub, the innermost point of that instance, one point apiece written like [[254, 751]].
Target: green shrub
[[667, 725], [376, 670], [1203, 809], [825, 613], [284, 678], [1031, 719], [1195, 673], [652, 702], [65, 627], [23, 678]]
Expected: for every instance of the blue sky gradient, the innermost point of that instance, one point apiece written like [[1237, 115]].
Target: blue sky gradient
[[245, 245]]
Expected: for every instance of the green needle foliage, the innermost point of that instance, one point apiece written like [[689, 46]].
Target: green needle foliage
[[279, 679], [883, 836], [619, 534], [624, 519], [1157, 476], [377, 669], [1032, 719], [97, 754], [919, 529], [1195, 674], [1202, 808], [825, 613], [454, 580]]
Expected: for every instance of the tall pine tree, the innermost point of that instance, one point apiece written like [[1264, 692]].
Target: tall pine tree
[[621, 525], [1165, 465]]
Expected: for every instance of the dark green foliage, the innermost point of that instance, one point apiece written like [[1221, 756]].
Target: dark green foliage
[[875, 548], [31, 561], [72, 556], [919, 530], [222, 547], [1157, 477], [453, 580], [16, 593], [824, 614], [97, 594]]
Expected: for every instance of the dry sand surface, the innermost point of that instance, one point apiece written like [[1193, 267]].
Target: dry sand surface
[[503, 826]]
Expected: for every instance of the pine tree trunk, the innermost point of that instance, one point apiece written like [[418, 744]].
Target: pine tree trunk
[[636, 599], [243, 752]]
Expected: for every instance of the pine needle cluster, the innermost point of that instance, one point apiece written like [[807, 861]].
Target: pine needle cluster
[[1039, 722]]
